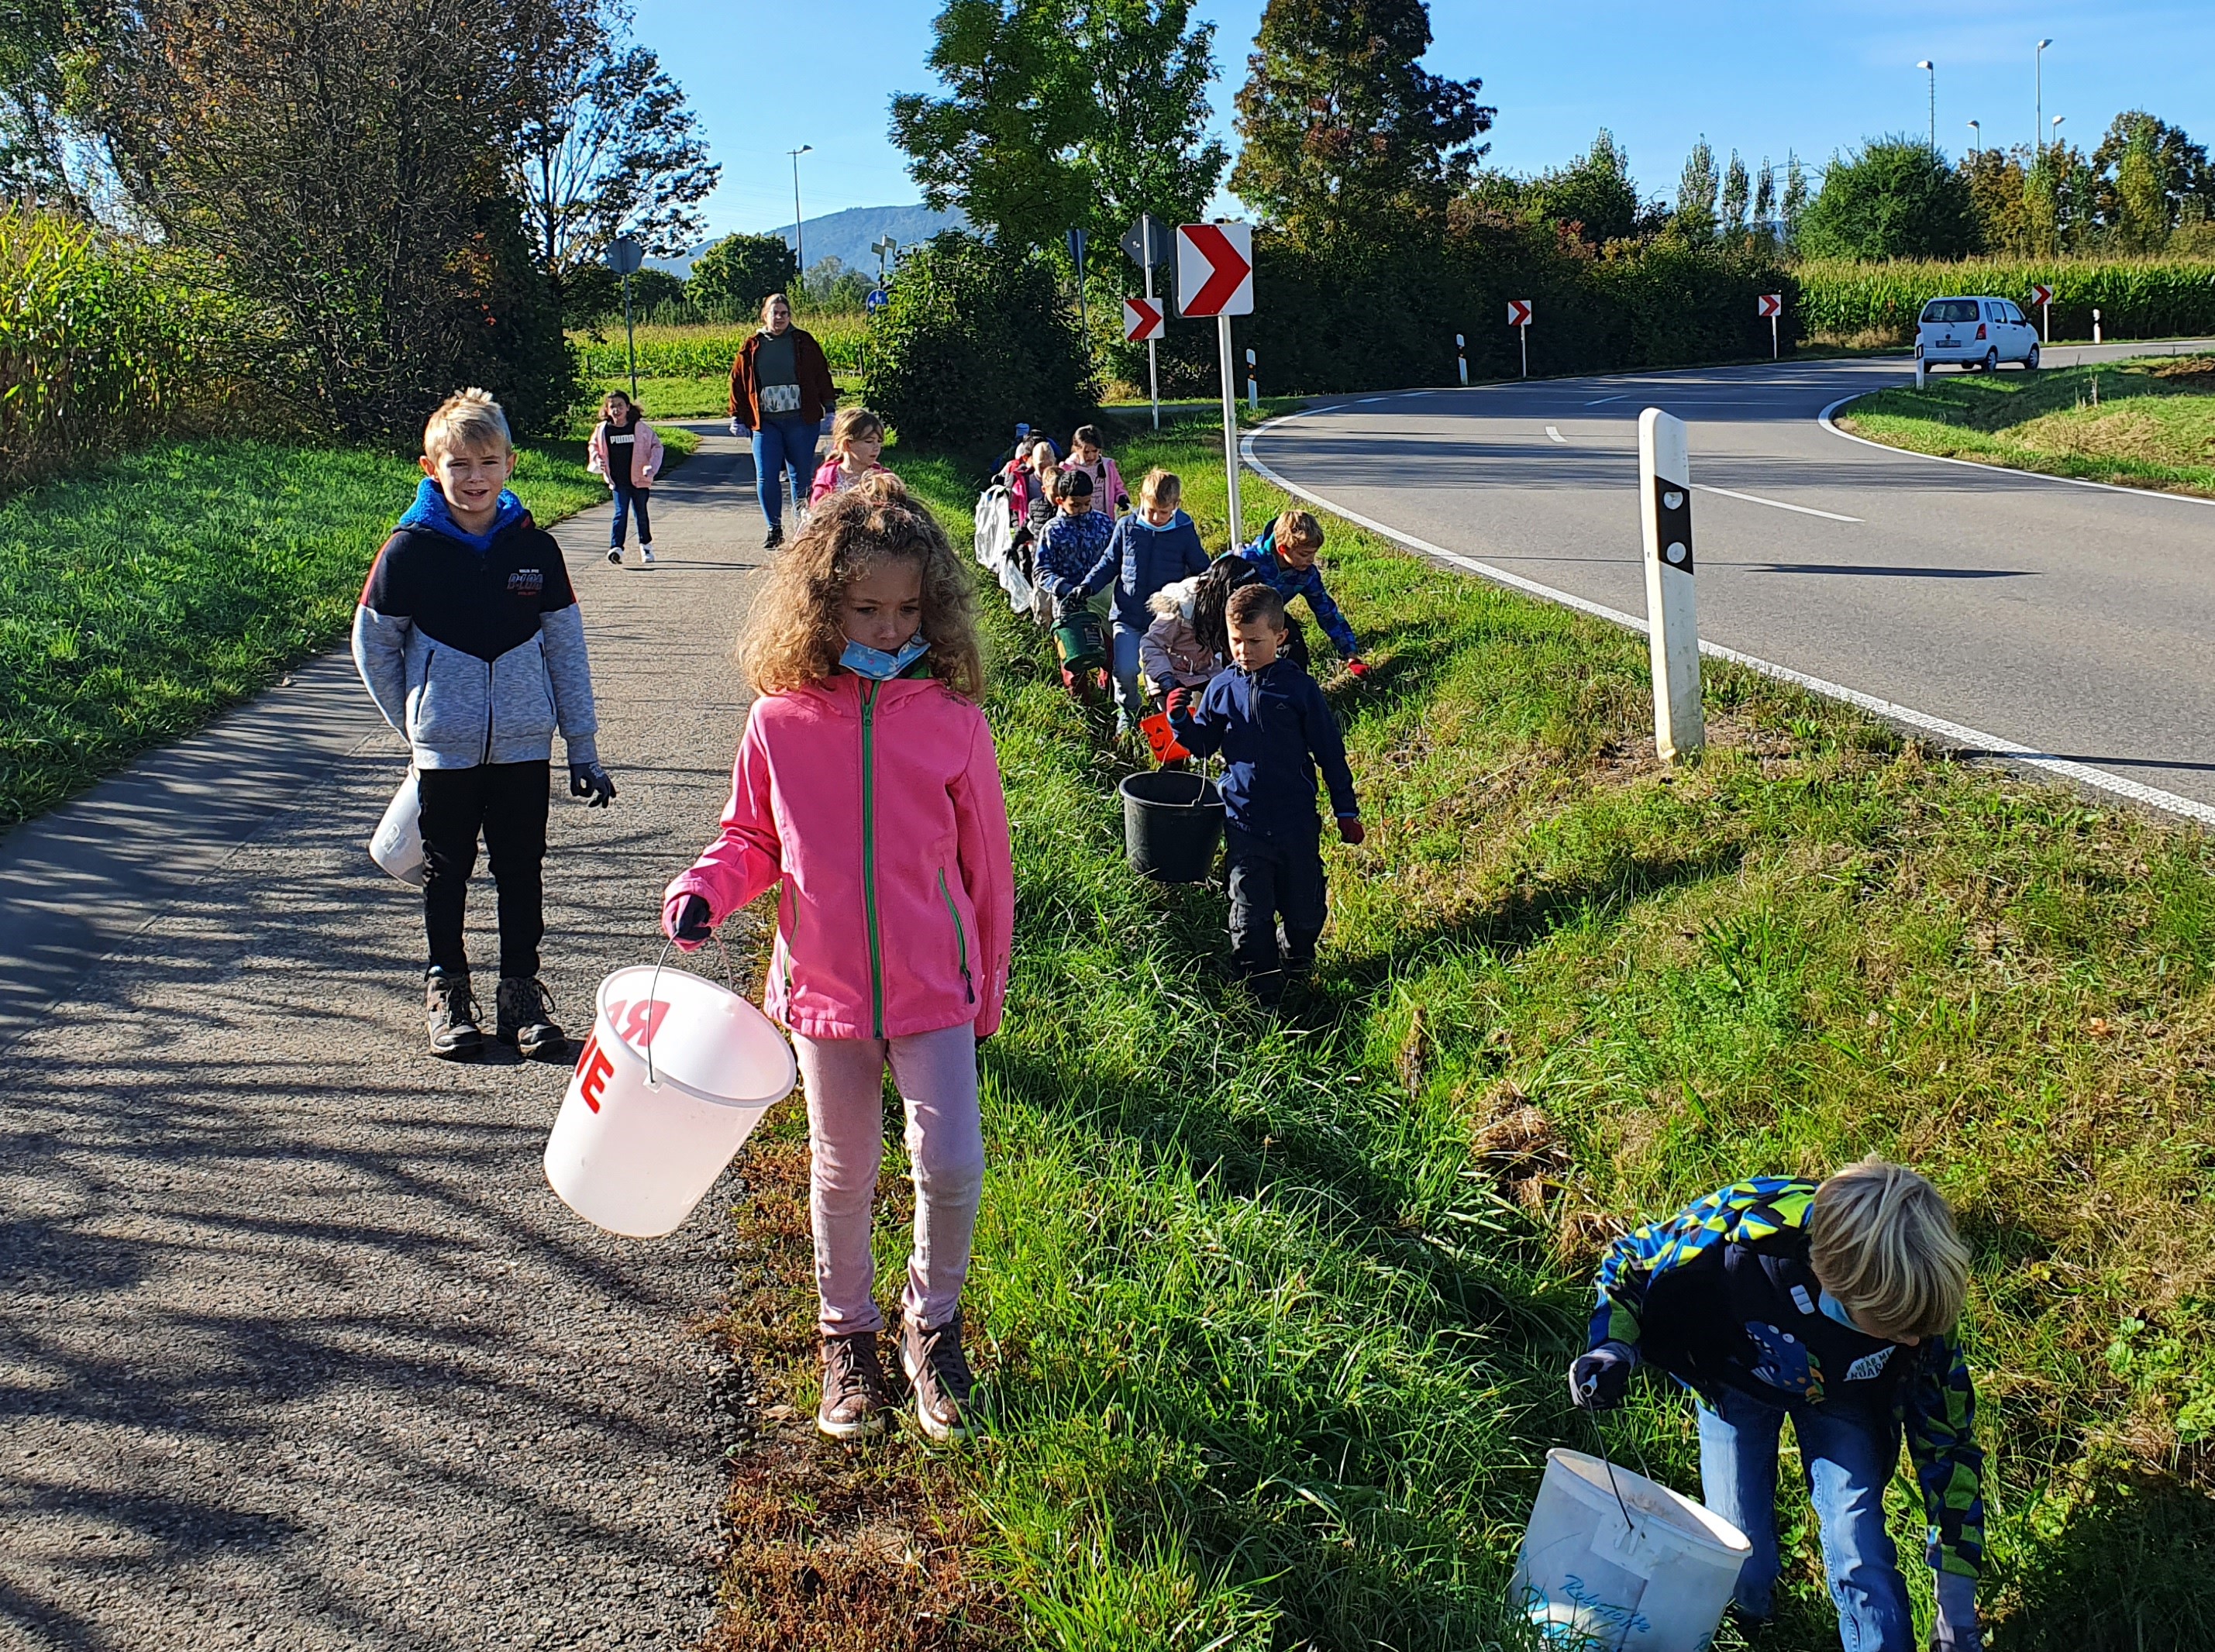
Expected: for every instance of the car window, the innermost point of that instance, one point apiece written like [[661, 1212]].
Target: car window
[[2016, 316], [1950, 310]]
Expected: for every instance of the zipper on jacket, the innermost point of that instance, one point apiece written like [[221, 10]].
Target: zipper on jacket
[[489, 689], [870, 856], [960, 940]]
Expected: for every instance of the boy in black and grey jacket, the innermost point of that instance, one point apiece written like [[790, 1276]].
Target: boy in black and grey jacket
[[470, 643]]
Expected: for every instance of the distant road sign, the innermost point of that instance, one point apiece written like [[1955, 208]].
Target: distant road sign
[[2041, 294], [875, 299], [1142, 320], [1215, 269], [625, 255], [1769, 306], [1519, 312], [1145, 243]]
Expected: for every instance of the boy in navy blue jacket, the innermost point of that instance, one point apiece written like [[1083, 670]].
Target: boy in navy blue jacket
[[1273, 728]]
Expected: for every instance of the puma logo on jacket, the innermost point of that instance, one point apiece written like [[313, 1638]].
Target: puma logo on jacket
[[471, 645]]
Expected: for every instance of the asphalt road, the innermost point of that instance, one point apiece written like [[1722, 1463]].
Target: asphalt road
[[2064, 621]]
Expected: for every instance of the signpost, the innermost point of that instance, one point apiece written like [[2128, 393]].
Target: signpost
[[1215, 277], [1076, 238], [1143, 244], [625, 255], [1518, 317], [884, 249], [1665, 495], [875, 299], [1770, 304], [2042, 295]]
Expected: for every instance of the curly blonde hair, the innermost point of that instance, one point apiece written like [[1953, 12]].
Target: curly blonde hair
[[794, 637]]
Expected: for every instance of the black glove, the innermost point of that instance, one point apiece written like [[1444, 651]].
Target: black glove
[[692, 925], [1600, 1381], [591, 781]]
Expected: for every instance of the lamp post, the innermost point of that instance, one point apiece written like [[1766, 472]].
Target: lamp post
[[1933, 68], [799, 246], [2038, 90], [1976, 140]]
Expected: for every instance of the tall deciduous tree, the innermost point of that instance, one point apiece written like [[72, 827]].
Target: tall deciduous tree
[[1064, 115], [739, 271], [1698, 186], [1346, 135], [1793, 206], [1738, 195], [1594, 193], [2162, 161], [1892, 198]]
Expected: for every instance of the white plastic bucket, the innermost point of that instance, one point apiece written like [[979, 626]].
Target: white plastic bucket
[[1588, 1579], [396, 845], [676, 1073]]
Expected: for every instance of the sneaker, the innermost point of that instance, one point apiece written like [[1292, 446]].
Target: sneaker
[[939, 1369], [775, 537], [450, 1014], [522, 1003], [855, 1399], [615, 556], [646, 556]]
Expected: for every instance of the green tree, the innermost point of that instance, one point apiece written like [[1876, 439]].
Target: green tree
[[1792, 207], [1738, 196], [1063, 114], [1593, 195], [1894, 198], [734, 275], [1998, 180], [2162, 160], [1347, 135], [1698, 186], [1764, 197]]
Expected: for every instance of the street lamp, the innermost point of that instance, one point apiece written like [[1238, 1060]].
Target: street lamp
[[2038, 89], [799, 246], [1926, 64], [1976, 139]]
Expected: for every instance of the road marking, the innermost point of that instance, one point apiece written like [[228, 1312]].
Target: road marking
[[1958, 734], [1557, 436], [1625, 397], [1777, 504], [1824, 421]]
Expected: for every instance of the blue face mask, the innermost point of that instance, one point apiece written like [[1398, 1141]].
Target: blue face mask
[[874, 663]]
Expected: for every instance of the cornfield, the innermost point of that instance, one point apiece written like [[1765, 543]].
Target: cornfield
[[96, 351], [704, 349], [2137, 298]]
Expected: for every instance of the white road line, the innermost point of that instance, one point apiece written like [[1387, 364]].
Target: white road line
[[1952, 732], [1824, 419], [1778, 505], [1608, 398], [1557, 436]]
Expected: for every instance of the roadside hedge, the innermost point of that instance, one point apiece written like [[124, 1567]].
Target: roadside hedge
[[2137, 298]]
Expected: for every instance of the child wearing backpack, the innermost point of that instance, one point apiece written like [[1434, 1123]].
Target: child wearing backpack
[[867, 786], [1284, 557], [1085, 453], [1154, 546], [625, 452], [858, 436], [1836, 1304]]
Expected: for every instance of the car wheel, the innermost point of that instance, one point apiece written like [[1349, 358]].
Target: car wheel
[[1992, 359], [2030, 362]]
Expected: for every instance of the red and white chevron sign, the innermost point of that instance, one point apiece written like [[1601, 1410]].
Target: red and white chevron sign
[[1142, 320], [2041, 294], [1519, 312], [1769, 306], [1215, 269]]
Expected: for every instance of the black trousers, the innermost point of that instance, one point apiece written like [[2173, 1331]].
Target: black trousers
[[508, 802], [1274, 878]]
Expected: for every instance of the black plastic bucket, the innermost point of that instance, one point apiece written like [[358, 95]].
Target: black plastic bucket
[[1172, 821]]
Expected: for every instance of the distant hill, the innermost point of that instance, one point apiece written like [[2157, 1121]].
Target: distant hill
[[847, 235]]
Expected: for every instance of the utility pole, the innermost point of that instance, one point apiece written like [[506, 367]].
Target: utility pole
[[1933, 68], [2038, 90], [799, 246], [1976, 140]]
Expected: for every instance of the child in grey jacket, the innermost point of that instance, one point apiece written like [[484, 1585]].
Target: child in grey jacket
[[469, 640]]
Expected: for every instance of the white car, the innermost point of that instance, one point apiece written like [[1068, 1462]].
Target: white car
[[1975, 332]]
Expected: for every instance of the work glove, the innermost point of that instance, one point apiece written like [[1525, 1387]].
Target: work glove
[[684, 920], [1350, 828], [1954, 1627], [1358, 668], [1600, 1381], [1177, 703], [591, 781]]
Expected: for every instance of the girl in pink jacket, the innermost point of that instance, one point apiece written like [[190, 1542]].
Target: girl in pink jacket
[[625, 451], [858, 436], [867, 792]]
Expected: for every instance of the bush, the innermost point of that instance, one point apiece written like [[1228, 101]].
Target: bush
[[977, 334], [2137, 298], [739, 272], [1895, 198]]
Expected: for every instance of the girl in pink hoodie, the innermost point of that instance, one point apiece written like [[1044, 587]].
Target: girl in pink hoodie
[[867, 792]]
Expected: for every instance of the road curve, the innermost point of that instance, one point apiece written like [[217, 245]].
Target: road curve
[[2066, 622]]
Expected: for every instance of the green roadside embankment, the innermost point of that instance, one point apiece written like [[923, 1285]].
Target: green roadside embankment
[[1277, 1310], [2147, 422]]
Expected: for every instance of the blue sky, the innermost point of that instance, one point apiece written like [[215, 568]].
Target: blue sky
[[1763, 78]]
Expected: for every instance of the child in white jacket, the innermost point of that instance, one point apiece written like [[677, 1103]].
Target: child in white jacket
[[1171, 653]]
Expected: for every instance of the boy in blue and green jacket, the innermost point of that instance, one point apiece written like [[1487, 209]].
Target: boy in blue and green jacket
[[1835, 1304], [1284, 557]]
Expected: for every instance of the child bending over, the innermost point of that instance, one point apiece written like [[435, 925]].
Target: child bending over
[[1284, 557]]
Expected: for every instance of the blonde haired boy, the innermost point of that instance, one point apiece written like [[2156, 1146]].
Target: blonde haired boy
[[469, 640], [1835, 1304]]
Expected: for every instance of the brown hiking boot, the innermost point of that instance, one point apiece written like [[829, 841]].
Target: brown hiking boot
[[939, 1369], [522, 1003], [450, 1015], [855, 1396]]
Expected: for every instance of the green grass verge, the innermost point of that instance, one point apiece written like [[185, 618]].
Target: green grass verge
[[2147, 422], [140, 597], [1278, 1310]]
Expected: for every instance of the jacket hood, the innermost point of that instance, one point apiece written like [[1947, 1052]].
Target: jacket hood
[[430, 513], [1140, 525]]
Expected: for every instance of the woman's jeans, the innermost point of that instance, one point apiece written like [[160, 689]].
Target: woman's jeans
[[1130, 702], [936, 1075], [626, 498], [1851, 1456], [782, 445]]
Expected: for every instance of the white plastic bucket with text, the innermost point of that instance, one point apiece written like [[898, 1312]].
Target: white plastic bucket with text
[[1587, 1577], [397, 843], [676, 1073]]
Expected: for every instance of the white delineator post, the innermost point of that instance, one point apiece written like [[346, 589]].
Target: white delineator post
[[1664, 486], [1461, 358], [1253, 386]]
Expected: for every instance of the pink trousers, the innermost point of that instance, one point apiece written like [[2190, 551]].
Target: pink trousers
[[936, 1075]]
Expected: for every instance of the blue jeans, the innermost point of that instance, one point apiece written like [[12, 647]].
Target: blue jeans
[[1130, 703], [625, 498], [782, 445], [1850, 1457]]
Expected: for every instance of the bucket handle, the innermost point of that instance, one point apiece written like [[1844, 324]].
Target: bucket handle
[[1599, 1436], [654, 991]]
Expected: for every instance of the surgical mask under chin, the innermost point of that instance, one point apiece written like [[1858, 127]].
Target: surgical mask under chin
[[875, 664]]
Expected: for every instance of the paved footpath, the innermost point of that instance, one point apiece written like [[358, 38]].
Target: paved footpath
[[300, 1350]]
